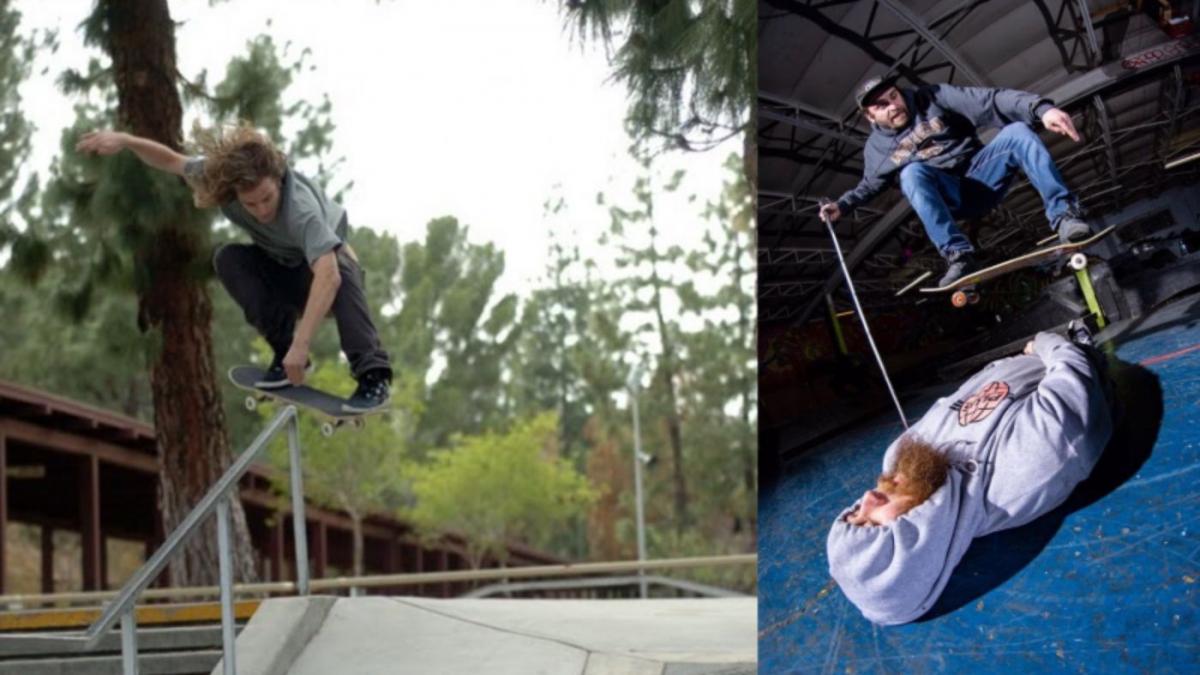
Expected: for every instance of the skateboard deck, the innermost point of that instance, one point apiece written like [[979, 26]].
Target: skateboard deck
[[323, 403], [963, 291]]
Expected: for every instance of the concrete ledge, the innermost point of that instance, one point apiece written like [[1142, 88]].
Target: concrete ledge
[[376, 634], [277, 633]]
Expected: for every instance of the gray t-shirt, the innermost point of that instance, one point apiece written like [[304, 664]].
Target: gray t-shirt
[[306, 226]]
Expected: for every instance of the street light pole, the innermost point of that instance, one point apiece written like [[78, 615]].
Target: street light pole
[[633, 382]]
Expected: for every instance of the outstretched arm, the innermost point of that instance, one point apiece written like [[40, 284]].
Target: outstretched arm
[[153, 153]]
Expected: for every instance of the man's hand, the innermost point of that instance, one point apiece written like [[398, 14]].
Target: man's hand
[[1060, 123], [101, 142], [294, 363], [1029, 347], [830, 212]]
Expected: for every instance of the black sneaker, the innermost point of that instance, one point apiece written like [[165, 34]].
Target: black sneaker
[[962, 263], [374, 389], [1079, 333], [275, 377], [1072, 229]]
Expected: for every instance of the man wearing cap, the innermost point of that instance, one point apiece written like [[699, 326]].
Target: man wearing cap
[[927, 139]]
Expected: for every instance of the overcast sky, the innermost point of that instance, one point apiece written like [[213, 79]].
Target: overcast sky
[[480, 110]]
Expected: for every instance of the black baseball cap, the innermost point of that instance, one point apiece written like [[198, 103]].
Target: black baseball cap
[[872, 86]]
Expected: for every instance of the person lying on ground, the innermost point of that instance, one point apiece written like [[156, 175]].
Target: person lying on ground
[[1005, 448]]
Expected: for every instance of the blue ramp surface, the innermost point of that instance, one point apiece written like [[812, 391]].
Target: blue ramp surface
[[1105, 583]]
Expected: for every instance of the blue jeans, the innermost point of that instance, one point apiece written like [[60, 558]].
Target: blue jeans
[[939, 197]]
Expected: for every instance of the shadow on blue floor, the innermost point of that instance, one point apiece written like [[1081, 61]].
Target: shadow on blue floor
[[993, 559], [1106, 582]]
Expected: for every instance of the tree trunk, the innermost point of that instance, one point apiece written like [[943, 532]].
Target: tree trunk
[[748, 447], [667, 368], [188, 419]]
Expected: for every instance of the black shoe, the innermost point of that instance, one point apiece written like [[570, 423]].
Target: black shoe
[[374, 389], [1079, 333], [1072, 229], [962, 263], [276, 377]]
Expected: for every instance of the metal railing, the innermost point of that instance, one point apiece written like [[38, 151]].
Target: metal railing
[[641, 581], [401, 579], [217, 500]]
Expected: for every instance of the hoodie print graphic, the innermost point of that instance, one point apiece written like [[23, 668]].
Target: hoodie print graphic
[[978, 406], [914, 142]]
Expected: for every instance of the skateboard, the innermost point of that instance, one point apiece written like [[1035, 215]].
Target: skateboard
[[964, 292], [324, 404]]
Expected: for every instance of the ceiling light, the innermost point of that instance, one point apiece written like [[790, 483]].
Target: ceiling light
[[1182, 160]]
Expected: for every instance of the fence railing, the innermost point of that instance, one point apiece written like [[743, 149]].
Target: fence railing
[[396, 580], [122, 604]]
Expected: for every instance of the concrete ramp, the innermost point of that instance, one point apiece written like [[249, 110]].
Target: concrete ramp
[[500, 636]]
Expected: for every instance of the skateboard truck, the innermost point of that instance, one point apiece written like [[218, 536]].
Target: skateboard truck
[[327, 428]]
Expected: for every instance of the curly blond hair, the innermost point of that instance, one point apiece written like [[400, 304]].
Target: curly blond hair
[[923, 466], [237, 158]]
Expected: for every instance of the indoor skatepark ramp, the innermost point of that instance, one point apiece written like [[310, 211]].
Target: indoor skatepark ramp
[[320, 635], [1105, 582]]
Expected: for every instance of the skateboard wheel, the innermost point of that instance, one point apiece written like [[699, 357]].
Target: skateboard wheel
[[251, 403], [1078, 261], [973, 298], [326, 429], [959, 299], [359, 423]]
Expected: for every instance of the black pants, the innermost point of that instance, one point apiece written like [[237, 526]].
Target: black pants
[[273, 297]]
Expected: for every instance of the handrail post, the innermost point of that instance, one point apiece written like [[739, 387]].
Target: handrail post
[[227, 483], [129, 651], [299, 531], [225, 557]]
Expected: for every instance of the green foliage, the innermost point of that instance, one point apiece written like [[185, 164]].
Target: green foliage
[[254, 89], [649, 288], [689, 65], [720, 395], [16, 57], [450, 331], [16, 63], [100, 360], [495, 488], [547, 360], [356, 471]]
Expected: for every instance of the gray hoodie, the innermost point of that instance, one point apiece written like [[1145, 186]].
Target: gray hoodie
[[1020, 434]]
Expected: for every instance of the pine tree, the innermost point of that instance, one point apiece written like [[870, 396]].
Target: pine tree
[[113, 225], [689, 65], [649, 284]]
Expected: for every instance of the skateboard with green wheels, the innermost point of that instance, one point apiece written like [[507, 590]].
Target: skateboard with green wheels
[[963, 292]]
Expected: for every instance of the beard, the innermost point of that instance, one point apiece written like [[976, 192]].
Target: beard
[[920, 469]]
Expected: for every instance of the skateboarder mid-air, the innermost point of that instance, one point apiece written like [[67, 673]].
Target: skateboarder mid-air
[[926, 138], [299, 264]]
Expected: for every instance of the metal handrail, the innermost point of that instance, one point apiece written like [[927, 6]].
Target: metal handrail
[[216, 499], [592, 583]]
